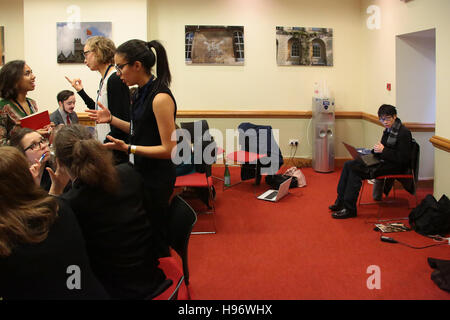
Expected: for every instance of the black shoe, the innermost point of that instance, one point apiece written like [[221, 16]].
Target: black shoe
[[337, 206], [344, 214]]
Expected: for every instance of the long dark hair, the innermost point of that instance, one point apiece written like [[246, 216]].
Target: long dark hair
[[138, 50], [86, 158], [26, 210], [10, 75]]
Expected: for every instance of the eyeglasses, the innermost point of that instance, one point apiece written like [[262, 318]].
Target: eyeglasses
[[86, 52], [387, 118], [119, 67], [37, 145]]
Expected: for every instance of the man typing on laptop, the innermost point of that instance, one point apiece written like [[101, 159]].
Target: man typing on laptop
[[394, 151]]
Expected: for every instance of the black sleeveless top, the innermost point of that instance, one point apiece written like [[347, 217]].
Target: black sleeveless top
[[157, 173]]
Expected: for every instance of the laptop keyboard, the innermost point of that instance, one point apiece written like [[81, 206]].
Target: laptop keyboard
[[272, 195]]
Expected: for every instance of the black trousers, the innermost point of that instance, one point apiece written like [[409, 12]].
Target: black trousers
[[157, 204], [350, 183]]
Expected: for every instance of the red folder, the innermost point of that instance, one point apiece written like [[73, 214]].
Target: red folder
[[35, 121]]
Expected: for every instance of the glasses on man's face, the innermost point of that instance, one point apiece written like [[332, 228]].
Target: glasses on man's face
[[119, 67], [37, 145], [386, 119], [85, 53]]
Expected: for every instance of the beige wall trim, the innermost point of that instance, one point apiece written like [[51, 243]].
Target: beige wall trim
[[440, 143], [243, 114], [267, 114]]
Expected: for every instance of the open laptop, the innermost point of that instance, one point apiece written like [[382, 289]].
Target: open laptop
[[277, 195], [368, 159]]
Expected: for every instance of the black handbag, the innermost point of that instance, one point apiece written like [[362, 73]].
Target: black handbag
[[431, 217]]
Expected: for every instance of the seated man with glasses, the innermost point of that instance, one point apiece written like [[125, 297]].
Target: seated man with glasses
[[394, 151], [37, 150]]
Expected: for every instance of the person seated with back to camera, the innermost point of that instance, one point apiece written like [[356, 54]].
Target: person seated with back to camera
[[394, 151], [36, 149], [109, 205], [42, 250], [65, 114]]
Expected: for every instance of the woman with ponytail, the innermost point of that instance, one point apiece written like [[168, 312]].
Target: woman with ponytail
[[153, 113], [108, 202], [40, 240]]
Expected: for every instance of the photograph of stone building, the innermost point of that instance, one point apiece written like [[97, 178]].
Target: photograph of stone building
[[71, 38], [304, 46], [222, 45]]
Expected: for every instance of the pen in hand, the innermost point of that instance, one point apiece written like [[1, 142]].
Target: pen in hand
[[42, 157]]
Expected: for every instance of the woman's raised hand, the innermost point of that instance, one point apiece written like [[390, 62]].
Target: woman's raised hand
[[60, 179], [35, 171], [116, 144], [75, 83], [102, 115]]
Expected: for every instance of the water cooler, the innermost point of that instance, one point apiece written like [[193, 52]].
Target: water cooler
[[323, 141]]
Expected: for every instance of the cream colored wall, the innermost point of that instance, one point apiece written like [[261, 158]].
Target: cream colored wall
[[378, 65], [129, 20], [260, 83], [11, 17]]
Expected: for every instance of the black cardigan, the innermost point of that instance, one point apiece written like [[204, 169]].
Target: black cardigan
[[119, 102], [40, 271], [118, 234]]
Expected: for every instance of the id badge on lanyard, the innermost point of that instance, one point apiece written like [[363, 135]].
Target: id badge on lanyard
[[131, 155]]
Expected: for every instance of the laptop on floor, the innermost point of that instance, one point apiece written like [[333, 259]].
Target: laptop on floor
[[277, 195], [368, 159]]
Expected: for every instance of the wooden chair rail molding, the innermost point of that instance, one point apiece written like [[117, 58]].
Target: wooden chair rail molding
[[414, 126], [440, 143], [268, 114]]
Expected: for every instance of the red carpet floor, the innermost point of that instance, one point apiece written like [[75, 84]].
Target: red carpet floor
[[294, 250]]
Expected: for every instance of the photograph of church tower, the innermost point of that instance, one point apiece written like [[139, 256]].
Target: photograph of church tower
[[71, 38]]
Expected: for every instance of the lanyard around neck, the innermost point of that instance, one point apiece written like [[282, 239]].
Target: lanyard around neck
[[21, 108], [101, 85]]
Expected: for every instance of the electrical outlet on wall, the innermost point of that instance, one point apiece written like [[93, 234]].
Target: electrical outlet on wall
[[293, 142]]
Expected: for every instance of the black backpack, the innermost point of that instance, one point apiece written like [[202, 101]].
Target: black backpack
[[431, 217]]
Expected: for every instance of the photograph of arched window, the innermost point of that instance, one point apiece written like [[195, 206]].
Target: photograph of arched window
[[304, 46], [218, 45], [189, 37], [238, 39]]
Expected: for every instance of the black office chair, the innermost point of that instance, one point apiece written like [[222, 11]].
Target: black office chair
[[408, 179], [253, 149], [180, 221], [200, 181]]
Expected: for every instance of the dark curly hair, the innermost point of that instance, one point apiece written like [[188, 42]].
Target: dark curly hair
[[10, 75]]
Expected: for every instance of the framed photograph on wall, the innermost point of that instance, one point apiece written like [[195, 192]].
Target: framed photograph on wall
[[2, 45], [71, 38], [216, 45], [304, 46]]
